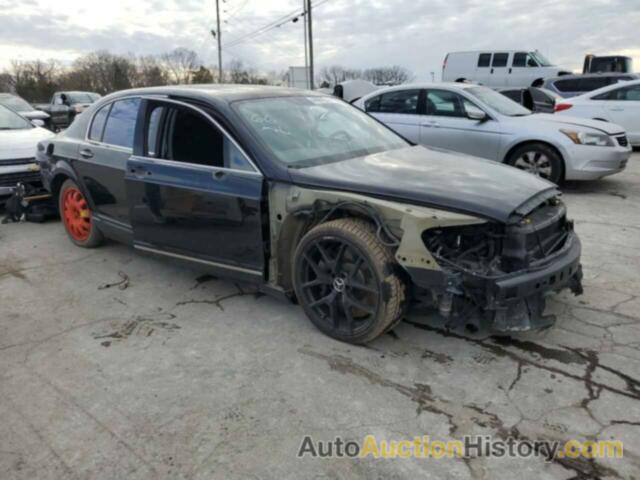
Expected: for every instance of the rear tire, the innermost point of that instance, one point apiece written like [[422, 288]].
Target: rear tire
[[77, 217], [538, 159], [347, 281]]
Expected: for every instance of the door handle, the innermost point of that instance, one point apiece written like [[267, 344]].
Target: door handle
[[432, 123], [617, 109], [491, 71], [139, 171], [218, 175], [86, 153], [510, 70]]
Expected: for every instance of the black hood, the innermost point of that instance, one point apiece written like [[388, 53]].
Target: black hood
[[435, 178]]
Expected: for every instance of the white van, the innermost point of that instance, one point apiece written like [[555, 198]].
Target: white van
[[500, 68]]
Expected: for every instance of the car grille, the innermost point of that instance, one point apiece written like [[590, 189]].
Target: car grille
[[17, 161], [622, 140], [12, 179]]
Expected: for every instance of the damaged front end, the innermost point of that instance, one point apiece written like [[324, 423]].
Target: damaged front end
[[503, 272]]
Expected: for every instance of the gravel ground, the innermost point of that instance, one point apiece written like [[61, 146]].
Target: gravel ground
[[116, 365]]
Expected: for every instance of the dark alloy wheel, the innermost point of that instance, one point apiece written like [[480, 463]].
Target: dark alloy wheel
[[76, 216], [344, 282], [538, 159]]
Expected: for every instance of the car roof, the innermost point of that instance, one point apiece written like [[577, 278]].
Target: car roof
[[592, 75], [224, 92]]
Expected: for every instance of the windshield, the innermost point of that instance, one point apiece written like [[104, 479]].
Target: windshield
[[9, 120], [498, 102], [305, 131], [541, 59], [81, 97], [16, 104]]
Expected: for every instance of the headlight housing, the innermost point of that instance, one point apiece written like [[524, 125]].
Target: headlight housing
[[589, 138]]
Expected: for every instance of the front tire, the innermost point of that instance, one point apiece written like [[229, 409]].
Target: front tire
[[77, 216], [347, 282], [538, 159]]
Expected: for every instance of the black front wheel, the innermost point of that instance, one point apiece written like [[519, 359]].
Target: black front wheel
[[346, 281], [538, 159]]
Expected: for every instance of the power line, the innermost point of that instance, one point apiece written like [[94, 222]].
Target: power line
[[270, 26]]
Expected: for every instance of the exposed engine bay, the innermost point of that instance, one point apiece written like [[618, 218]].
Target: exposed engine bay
[[505, 271]]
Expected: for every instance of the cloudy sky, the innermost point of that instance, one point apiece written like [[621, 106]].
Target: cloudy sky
[[354, 33]]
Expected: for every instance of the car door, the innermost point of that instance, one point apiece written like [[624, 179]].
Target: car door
[[446, 125], [400, 110], [623, 107], [59, 110], [523, 70], [102, 159], [483, 68], [193, 193], [498, 72]]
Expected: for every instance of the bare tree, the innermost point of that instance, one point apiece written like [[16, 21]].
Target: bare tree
[[180, 64], [394, 75], [336, 74], [35, 80]]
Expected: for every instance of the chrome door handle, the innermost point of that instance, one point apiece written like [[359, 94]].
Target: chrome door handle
[[86, 153]]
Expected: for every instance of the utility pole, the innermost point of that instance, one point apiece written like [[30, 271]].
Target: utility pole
[[306, 50], [310, 29], [219, 37]]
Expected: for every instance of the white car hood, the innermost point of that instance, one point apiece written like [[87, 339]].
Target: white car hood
[[21, 143], [606, 127]]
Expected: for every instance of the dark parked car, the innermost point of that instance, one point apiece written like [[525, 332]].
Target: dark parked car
[[573, 85], [64, 106], [537, 100], [313, 199]]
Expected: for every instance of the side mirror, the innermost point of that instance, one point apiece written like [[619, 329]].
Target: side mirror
[[64, 99], [37, 122], [531, 63], [474, 113]]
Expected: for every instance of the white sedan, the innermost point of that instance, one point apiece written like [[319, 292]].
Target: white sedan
[[18, 142], [618, 103]]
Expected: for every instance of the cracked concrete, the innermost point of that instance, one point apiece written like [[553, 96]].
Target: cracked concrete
[[118, 365]]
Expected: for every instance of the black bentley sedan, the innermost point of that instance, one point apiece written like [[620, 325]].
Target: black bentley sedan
[[312, 199]]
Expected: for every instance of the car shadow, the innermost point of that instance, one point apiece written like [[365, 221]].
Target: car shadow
[[606, 186]]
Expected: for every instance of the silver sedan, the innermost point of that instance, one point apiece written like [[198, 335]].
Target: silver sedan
[[478, 121]]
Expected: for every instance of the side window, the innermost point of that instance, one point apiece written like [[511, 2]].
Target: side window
[[444, 104], [400, 101], [569, 85], [97, 125], [484, 60], [519, 59], [592, 83], [373, 104], [632, 93], [500, 59], [625, 94], [514, 95], [121, 123], [170, 135]]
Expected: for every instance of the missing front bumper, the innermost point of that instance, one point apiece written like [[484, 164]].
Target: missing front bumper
[[510, 303]]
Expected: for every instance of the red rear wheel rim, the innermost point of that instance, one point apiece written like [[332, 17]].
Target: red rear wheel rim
[[76, 214]]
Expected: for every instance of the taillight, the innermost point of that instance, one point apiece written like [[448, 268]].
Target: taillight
[[561, 106]]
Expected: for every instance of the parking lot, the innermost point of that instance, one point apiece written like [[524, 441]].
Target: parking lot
[[127, 366]]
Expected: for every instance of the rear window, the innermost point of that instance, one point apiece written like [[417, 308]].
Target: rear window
[[121, 123], [484, 60], [581, 84], [500, 59]]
